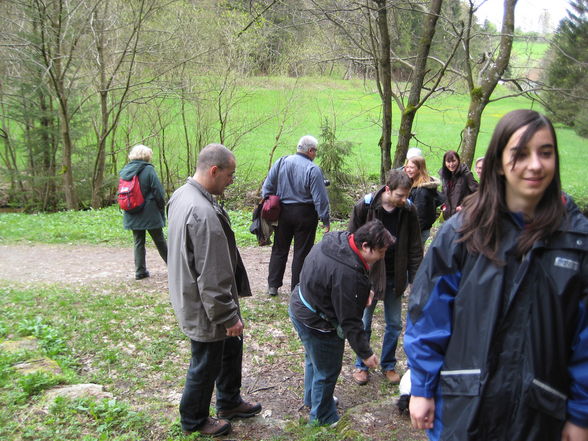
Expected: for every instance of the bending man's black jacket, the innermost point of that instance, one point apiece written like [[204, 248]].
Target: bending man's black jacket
[[334, 281]]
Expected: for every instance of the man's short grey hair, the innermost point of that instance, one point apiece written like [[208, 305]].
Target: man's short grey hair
[[214, 154], [306, 143], [140, 153]]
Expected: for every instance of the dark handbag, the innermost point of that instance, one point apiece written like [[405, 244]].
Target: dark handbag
[[270, 211]]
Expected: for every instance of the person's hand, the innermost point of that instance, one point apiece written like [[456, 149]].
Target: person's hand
[[458, 208], [571, 432], [370, 299], [422, 412], [236, 330], [326, 228], [371, 362]]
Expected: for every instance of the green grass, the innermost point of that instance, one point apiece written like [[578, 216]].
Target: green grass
[[354, 107], [129, 342], [103, 331], [99, 227]]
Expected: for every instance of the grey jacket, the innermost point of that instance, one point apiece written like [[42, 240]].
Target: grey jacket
[[205, 271]]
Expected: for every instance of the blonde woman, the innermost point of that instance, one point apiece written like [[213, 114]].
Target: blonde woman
[[152, 217], [423, 193]]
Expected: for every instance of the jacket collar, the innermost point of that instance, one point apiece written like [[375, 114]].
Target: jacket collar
[[202, 190]]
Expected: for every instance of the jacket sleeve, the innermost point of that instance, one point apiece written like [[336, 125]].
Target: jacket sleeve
[[358, 216], [271, 181], [419, 199], [429, 319], [577, 404], [319, 194], [215, 275], [349, 298], [415, 244], [157, 189], [472, 184]]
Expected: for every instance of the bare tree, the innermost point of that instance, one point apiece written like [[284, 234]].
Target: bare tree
[[491, 72], [114, 57], [415, 102], [62, 26]]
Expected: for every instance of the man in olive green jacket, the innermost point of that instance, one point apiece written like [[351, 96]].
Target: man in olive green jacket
[[206, 278]]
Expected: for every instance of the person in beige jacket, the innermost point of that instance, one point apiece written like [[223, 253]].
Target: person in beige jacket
[[206, 277]]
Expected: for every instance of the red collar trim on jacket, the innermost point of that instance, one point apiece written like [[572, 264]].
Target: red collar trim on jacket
[[356, 251]]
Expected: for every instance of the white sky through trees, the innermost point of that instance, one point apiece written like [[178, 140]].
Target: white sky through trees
[[530, 15]]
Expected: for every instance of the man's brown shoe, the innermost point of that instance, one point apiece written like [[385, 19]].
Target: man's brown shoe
[[243, 410], [392, 377], [361, 377], [212, 427]]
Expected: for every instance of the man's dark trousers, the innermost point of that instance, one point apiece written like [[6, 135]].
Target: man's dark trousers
[[212, 362], [298, 222]]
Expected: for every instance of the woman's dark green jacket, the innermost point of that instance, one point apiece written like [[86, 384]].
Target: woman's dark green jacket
[[153, 215]]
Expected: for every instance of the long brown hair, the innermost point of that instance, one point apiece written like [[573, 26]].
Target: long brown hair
[[421, 165], [482, 210]]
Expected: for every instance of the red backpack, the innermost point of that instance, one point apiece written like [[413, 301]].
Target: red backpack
[[130, 198]]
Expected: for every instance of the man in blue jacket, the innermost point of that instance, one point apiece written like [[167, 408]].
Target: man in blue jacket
[[300, 184]]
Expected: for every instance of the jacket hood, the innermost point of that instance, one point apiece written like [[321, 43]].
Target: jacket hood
[[433, 184], [133, 168], [336, 246]]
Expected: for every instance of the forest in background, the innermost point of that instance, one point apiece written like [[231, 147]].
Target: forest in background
[[83, 81]]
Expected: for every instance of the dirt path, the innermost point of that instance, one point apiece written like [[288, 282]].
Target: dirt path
[[77, 264]]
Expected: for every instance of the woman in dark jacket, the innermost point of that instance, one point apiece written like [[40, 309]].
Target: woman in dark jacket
[[458, 182], [326, 308], [497, 326], [152, 217], [423, 194]]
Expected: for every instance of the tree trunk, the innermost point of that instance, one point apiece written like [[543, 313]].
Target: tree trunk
[[384, 72], [99, 164], [48, 144], [71, 198], [489, 77], [414, 98]]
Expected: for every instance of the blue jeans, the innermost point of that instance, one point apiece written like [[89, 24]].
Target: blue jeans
[[219, 363], [323, 361], [393, 317]]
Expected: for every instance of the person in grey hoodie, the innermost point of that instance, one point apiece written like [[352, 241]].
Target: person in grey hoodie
[[152, 217], [206, 277]]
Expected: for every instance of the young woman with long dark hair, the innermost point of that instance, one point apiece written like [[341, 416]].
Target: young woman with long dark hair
[[458, 182], [497, 329]]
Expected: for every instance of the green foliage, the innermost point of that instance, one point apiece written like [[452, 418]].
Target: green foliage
[[333, 155], [567, 71], [342, 431], [107, 415], [37, 382], [51, 340]]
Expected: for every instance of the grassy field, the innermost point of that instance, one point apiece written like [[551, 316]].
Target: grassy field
[[353, 107], [98, 227]]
